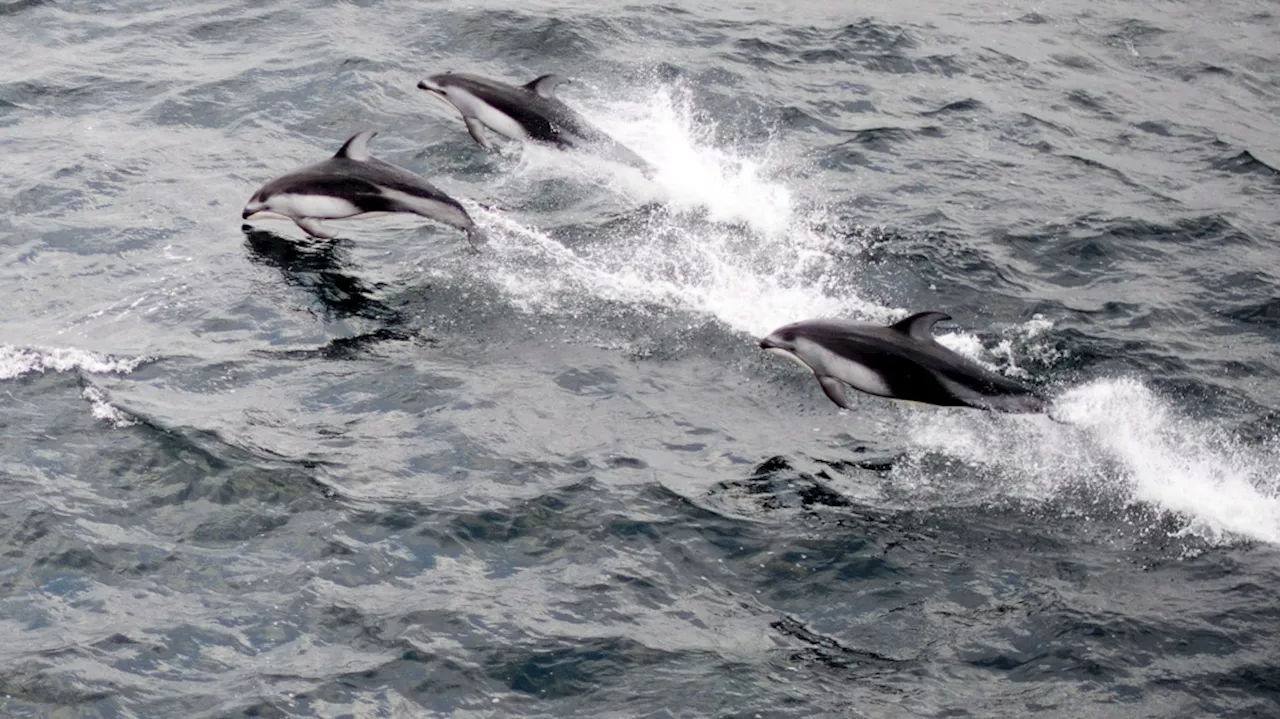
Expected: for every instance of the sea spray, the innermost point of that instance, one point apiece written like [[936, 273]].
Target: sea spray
[[1116, 442]]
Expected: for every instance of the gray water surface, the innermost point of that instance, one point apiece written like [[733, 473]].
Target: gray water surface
[[245, 473]]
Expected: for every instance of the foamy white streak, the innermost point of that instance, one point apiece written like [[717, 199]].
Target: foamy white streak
[[102, 408], [690, 271], [730, 245], [1192, 468], [1127, 445], [767, 267], [17, 361], [692, 173], [1003, 357]]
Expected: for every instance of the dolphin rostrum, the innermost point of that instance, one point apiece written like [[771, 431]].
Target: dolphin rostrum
[[900, 361], [531, 112], [352, 184]]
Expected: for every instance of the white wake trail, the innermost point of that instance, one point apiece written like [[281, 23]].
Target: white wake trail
[[1119, 442], [726, 240], [730, 242]]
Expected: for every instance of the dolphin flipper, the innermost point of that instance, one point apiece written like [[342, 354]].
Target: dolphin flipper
[[476, 128], [312, 227], [834, 389]]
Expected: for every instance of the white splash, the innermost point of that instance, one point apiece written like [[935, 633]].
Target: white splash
[[102, 409], [1003, 356], [730, 242], [1193, 468], [692, 173], [704, 271], [1122, 443], [18, 361], [963, 344], [725, 240]]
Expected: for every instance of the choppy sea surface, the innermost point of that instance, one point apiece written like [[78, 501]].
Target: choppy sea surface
[[244, 473]]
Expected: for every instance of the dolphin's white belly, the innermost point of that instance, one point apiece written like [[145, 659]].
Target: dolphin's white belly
[[851, 372], [493, 118], [321, 206]]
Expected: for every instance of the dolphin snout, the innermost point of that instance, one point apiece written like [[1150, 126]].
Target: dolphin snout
[[767, 344], [246, 213]]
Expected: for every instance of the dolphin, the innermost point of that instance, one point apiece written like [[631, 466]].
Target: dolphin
[[353, 183], [899, 361], [531, 112]]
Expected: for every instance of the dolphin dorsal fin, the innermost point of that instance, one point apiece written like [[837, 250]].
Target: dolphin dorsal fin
[[357, 148], [545, 85], [920, 325]]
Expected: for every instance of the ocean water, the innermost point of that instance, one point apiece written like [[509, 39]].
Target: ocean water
[[245, 473]]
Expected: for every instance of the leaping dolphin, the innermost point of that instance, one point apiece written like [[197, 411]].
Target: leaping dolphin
[[900, 361], [354, 184], [531, 112]]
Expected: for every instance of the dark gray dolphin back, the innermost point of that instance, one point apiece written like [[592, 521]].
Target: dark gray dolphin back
[[917, 367], [969, 382], [353, 172], [354, 160], [373, 185], [544, 117], [536, 108]]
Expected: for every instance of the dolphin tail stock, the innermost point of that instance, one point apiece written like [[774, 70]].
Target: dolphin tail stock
[[477, 237], [617, 152], [627, 158], [630, 157], [1029, 403], [1048, 412]]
